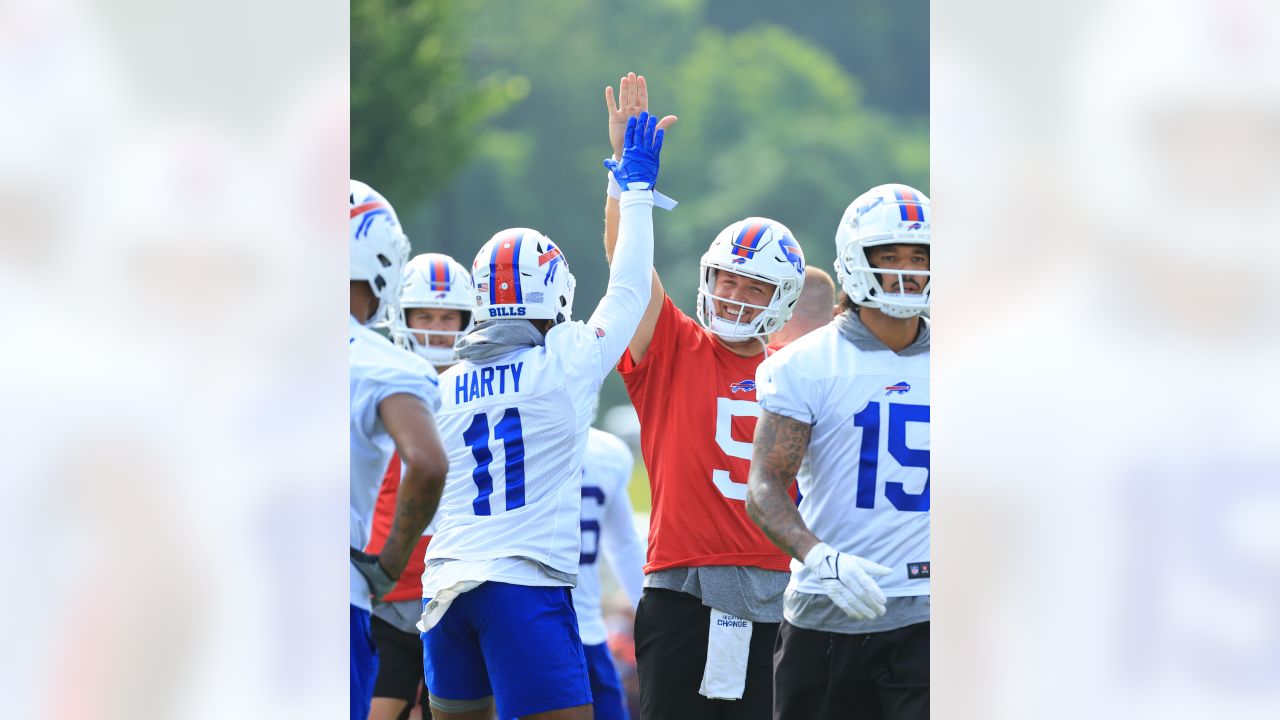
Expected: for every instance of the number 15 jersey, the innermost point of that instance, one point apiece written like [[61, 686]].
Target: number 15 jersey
[[865, 486]]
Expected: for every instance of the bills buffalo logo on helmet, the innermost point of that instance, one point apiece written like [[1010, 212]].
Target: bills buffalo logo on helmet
[[369, 209], [791, 251], [555, 258]]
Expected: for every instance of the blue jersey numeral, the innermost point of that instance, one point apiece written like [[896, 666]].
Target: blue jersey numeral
[[899, 415], [588, 557], [512, 436]]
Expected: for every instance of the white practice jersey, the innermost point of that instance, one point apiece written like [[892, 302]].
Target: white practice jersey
[[865, 484], [379, 370], [515, 430], [608, 529]]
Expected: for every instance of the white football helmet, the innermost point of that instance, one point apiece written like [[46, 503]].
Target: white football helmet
[[379, 248], [757, 248], [520, 273], [433, 280], [884, 215]]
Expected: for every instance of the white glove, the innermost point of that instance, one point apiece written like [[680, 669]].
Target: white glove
[[847, 580]]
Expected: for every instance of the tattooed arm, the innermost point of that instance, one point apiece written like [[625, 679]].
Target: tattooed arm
[[425, 466], [779, 446]]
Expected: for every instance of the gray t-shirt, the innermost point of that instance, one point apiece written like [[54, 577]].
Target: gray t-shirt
[[402, 614], [818, 612], [748, 592]]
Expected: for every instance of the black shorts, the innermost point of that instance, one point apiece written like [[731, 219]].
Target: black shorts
[[399, 662], [671, 654], [820, 675]]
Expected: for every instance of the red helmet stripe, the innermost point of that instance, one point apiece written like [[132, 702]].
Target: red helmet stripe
[[504, 270], [439, 276], [745, 246], [361, 209]]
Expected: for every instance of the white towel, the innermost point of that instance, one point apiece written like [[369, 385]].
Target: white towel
[[728, 645], [435, 609]]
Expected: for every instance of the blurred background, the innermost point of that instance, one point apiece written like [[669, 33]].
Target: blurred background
[[1105, 178], [476, 116]]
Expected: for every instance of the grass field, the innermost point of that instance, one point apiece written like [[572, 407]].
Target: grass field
[[638, 488]]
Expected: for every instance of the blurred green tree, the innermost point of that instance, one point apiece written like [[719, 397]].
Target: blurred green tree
[[415, 115], [885, 45], [780, 116]]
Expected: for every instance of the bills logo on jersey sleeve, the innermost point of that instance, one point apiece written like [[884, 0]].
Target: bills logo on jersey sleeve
[[899, 388]]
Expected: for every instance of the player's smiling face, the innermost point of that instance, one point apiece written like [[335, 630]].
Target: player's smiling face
[[900, 257], [732, 286], [437, 319]]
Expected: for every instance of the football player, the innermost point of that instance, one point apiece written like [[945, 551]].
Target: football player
[[498, 622], [851, 401], [391, 391], [437, 305], [708, 617], [607, 529]]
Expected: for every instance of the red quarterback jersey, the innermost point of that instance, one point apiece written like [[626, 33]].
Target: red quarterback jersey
[[697, 406], [409, 586]]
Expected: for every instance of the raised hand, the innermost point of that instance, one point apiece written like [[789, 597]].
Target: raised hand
[[642, 144], [632, 99]]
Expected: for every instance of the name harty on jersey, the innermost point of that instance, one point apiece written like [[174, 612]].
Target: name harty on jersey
[[480, 382]]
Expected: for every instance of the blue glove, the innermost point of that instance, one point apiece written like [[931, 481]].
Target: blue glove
[[640, 148]]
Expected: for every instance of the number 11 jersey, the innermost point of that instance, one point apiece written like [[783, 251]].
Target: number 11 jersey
[[515, 431]]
